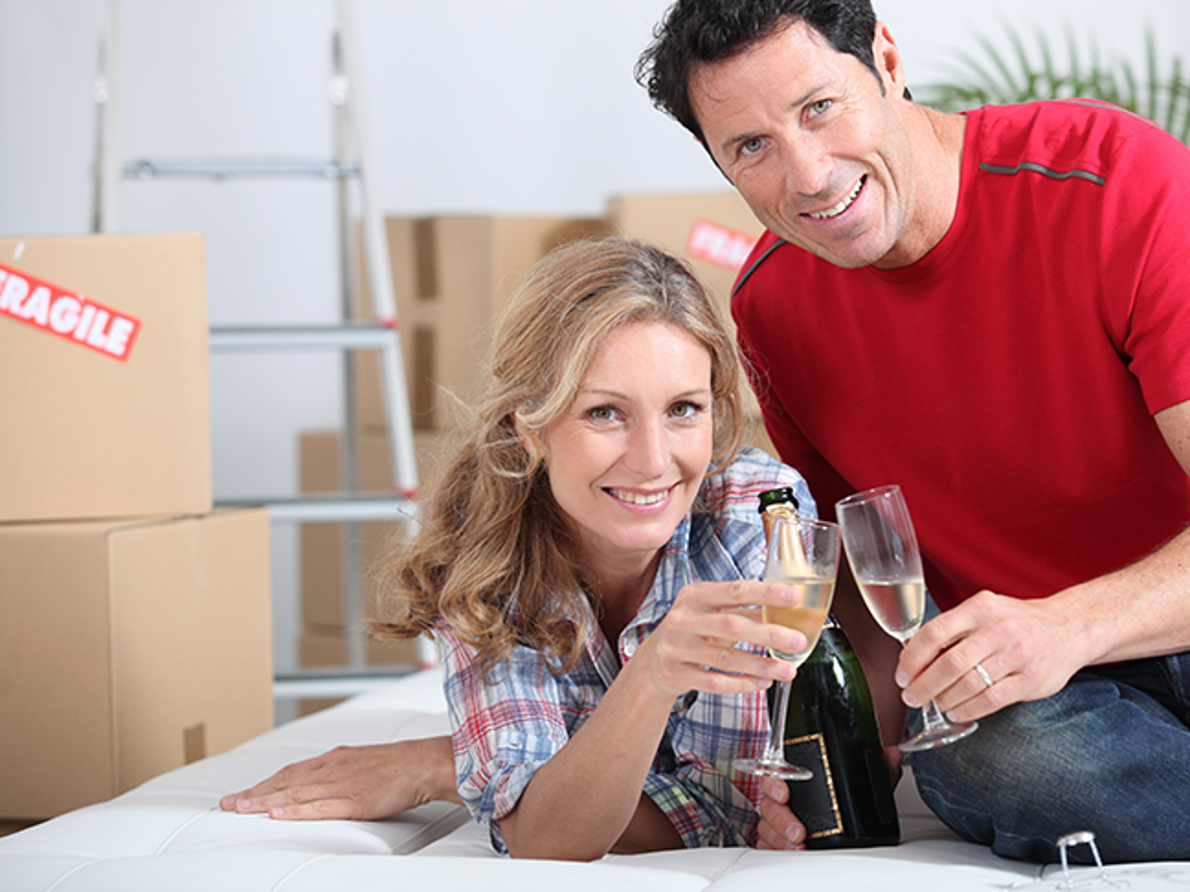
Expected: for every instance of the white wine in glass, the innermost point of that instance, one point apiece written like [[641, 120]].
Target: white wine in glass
[[804, 554], [882, 549]]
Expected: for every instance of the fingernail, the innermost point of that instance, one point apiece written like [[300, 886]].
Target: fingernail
[[909, 700], [902, 678]]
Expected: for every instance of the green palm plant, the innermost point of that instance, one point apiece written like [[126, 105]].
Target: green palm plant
[[1163, 97]]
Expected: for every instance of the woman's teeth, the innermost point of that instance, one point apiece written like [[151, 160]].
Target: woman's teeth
[[639, 498]]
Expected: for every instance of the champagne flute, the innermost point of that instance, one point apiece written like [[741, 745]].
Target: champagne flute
[[882, 550], [804, 554]]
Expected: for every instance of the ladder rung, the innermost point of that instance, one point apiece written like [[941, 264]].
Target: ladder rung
[[332, 507], [327, 682], [241, 168], [346, 336]]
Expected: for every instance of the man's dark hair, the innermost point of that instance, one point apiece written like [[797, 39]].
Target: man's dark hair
[[699, 32]]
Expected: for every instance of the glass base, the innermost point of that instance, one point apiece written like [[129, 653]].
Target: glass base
[[938, 735], [783, 770]]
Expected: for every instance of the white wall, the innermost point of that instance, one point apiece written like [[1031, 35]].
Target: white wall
[[485, 106]]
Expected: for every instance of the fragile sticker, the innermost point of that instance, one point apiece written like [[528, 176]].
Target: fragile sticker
[[67, 314], [719, 245]]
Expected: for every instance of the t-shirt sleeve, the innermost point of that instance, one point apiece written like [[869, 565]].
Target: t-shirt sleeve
[[1146, 263]]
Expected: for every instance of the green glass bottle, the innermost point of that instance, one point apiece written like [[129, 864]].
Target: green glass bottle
[[831, 729]]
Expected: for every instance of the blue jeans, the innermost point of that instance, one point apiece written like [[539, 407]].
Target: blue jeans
[[1109, 753]]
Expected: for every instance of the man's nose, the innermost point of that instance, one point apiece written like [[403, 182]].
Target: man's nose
[[807, 168]]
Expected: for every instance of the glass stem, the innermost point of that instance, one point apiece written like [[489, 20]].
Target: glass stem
[[776, 749], [931, 716]]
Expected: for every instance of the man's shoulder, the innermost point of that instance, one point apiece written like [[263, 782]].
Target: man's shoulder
[[1062, 138], [775, 259]]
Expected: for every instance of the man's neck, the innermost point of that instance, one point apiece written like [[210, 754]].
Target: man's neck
[[938, 162]]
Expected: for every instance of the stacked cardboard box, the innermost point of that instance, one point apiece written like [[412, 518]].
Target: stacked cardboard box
[[451, 275], [323, 545], [136, 632]]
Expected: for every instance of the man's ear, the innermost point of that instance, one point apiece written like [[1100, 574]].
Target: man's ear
[[889, 64]]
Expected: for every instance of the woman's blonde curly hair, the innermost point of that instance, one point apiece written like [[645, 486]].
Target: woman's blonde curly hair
[[493, 557]]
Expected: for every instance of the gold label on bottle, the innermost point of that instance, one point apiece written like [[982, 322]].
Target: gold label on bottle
[[814, 801]]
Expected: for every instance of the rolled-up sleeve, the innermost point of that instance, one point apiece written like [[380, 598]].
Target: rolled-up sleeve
[[502, 732]]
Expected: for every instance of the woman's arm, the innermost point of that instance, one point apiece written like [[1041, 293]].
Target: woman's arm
[[360, 783], [586, 800]]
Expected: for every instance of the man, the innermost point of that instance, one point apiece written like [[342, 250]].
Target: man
[[993, 310]]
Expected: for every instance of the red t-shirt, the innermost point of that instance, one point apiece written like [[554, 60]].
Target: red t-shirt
[[1007, 380]]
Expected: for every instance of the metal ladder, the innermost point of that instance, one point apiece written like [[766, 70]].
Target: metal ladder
[[351, 163]]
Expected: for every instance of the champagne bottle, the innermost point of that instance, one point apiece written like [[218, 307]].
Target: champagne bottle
[[831, 729]]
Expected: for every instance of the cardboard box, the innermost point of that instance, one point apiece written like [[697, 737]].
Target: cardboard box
[[713, 231], [323, 544], [328, 648], [451, 274], [104, 350], [128, 648]]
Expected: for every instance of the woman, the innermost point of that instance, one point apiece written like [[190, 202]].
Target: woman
[[584, 560]]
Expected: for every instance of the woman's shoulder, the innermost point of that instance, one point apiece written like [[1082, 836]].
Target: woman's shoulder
[[737, 486]]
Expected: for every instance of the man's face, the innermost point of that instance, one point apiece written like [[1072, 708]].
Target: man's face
[[814, 144]]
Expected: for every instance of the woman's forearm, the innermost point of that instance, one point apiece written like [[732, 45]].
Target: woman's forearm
[[587, 799]]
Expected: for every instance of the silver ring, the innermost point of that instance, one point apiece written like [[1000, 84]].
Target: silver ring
[[983, 673]]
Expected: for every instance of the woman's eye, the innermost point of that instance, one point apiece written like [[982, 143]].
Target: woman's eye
[[685, 410], [602, 413], [820, 106]]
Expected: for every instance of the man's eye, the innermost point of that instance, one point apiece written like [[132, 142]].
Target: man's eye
[[751, 146]]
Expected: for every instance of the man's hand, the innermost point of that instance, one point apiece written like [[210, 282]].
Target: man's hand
[[1029, 650], [361, 783]]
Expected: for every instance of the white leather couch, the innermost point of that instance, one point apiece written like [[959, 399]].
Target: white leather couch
[[169, 834]]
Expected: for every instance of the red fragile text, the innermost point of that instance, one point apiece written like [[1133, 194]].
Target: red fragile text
[[719, 245], [68, 315]]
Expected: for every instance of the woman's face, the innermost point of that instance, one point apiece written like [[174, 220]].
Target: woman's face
[[627, 459]]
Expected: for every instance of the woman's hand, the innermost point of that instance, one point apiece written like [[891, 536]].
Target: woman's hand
[[779, 827], [361, 783], [694, 646]]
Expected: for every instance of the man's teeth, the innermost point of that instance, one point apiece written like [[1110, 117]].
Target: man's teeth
[[842, 205], [639, 498]]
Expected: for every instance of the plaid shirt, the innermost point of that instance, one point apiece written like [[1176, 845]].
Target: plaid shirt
[[503, 732]]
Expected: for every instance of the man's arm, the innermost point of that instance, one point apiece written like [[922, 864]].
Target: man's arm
[[1031, 648]]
